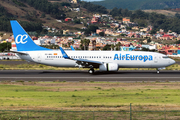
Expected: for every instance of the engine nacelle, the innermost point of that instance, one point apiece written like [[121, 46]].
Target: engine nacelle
[[109, 67]]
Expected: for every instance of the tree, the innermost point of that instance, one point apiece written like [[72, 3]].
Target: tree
[[118, 46], [153, 31], [77, 21], [114, 12], [43, 15], [101, 34], [145, 49], [87, 32], [148, 40], [5, 46], [94, 8], [115, 39], [92, 28], [112, 46], [84, 44], [107, 47], [178, 42], [1, 34], [177, 15], [69, 43], [72, 42]]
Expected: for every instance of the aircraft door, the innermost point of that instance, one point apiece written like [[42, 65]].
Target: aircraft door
[[39, 57], [155, 58]]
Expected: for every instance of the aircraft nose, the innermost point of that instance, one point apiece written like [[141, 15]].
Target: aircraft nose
[[172, 61]]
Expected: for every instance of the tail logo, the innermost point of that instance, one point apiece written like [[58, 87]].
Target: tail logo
[[21, 39]]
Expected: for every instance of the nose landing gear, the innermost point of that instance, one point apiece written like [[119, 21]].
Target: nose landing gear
[[91, 71], [160, 69]]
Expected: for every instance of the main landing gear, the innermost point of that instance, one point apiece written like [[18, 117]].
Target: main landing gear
[[158, 70], [91, 71]]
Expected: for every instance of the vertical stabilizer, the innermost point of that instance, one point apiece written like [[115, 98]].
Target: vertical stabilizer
[[22, 39]]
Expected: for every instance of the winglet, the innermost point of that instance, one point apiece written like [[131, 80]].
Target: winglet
[[72, 48], [64, 53]]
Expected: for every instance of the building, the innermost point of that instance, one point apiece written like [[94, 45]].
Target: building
[[68, 19], [99, 30], [94, 20], [126, 20]]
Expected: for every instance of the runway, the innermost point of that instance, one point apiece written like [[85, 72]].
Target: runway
[[78, 75]]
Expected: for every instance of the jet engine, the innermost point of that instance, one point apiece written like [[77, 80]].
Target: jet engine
[[108, 67]]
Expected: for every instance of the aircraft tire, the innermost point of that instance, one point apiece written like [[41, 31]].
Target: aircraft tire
[[91, 71]]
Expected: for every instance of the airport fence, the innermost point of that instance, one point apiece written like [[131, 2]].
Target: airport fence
[[90, 115]]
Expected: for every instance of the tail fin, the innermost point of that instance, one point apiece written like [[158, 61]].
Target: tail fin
[[22, 39]]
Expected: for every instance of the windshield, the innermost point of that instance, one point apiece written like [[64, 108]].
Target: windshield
[[165, 57]]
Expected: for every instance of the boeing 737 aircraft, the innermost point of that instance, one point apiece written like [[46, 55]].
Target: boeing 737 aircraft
[[104, 60]]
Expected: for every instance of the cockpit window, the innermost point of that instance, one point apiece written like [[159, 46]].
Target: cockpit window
[[165, 57]]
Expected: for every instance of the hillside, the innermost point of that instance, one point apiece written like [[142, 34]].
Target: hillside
[[169, 13], [21, 10], [140, 4]]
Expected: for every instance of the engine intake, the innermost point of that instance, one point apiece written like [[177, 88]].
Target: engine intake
[[109, 67]]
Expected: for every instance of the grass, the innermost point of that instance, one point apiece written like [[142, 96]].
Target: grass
[[95, 100], [102, 95], [45, 67]]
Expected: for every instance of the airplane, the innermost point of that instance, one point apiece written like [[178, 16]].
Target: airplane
[[104, 60]]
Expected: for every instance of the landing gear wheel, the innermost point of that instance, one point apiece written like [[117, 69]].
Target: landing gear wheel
[[91, 71], [157, 71]]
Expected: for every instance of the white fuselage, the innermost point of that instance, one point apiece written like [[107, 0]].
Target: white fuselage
[[125, 59]]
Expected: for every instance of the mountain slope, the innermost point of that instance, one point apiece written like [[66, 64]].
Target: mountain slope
[[140, 4], [33, 14]]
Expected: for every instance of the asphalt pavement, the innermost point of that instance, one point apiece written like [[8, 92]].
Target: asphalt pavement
[[79, 75]]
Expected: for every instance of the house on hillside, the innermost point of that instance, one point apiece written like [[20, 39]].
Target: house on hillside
[[68, 19], [167, 37], [99, 30], [94, 20], [126, 20]]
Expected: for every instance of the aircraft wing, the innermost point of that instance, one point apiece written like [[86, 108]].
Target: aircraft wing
[[82, 62]]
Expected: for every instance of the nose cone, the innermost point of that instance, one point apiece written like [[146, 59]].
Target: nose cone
[[172, 61]]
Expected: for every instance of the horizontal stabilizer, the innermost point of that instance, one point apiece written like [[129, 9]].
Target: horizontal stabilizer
[[23, 53]]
